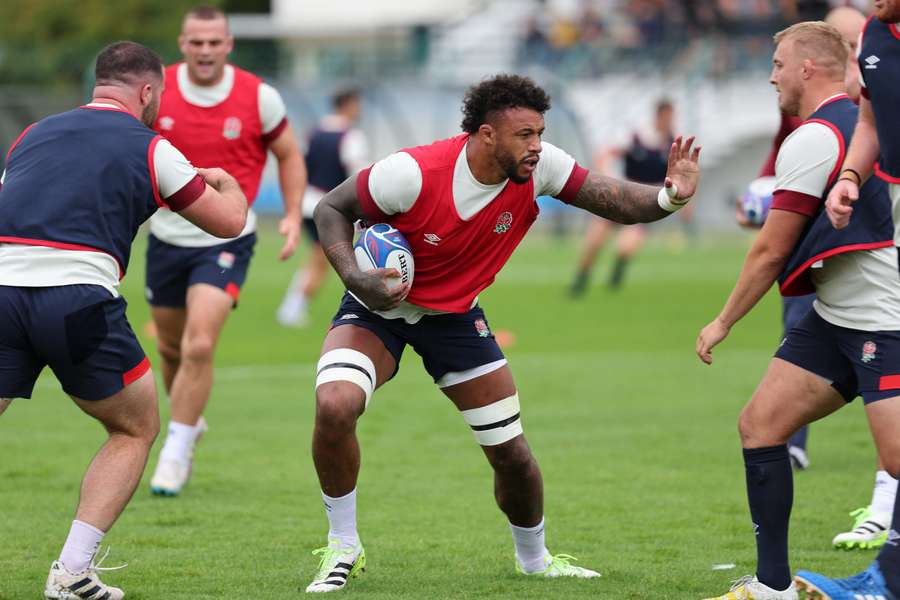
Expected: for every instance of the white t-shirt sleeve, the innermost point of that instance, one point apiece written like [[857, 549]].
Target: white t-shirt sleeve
[[553, 170], [806, 160], [173, 170], [354, 151], [859, 41], [395, 183], [271, 108]]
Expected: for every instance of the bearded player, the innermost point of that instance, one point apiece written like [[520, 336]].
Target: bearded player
[[463, 204], [848, 344], [67, 221]]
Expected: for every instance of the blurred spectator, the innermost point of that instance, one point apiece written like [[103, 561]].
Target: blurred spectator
[[585, 37]]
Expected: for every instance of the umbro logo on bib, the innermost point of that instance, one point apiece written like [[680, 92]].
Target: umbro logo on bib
[[871, 61]]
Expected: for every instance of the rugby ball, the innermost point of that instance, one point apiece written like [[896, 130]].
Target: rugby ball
[[757, 200], [381, 246]]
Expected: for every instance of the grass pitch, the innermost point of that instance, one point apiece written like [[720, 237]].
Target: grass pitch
[[636, 439]]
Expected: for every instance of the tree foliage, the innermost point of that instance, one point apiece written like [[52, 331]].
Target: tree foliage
[[55, 41]]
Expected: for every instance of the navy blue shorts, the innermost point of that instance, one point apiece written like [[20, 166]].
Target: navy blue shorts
[[447, 343], [309, 225], [171, 270], [80, 331], [859, 363]]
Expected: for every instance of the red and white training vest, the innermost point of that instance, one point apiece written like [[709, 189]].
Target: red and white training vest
[[457, 259], [227, 135]]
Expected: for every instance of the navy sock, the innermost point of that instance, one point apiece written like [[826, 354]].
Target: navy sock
[[770, 491], [581, 281], [889, 557], [799, 438], [618, 272]]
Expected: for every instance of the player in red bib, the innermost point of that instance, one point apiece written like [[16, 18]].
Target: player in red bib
[[463, 204], [216, 114]]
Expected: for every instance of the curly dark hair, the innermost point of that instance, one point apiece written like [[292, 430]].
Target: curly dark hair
[[499, 93]]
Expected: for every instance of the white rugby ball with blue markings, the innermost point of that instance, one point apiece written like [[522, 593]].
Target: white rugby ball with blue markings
[[381, 246], [757, 200]]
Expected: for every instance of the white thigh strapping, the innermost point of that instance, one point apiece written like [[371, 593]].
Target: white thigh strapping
[[495, 423], [344, 364]]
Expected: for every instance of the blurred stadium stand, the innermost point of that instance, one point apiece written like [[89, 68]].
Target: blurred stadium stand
[[605, 62]]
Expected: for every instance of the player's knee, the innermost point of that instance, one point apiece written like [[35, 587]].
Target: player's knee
[[892, 464], [149, 429], [338, 406], [170, 353], [748, 427], [197, 348], [757, 431], [512, 457], [141, 426]]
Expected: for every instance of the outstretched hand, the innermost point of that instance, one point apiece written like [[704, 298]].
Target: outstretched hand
[[684, 169]]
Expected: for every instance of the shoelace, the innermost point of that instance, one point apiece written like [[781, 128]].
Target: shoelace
[[742, 582], [562, 561], [328, 553], [95, 566], [859, 516]]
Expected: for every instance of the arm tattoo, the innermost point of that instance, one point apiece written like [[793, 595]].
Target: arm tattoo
[[334, 217], [341, 256], [619, 201]]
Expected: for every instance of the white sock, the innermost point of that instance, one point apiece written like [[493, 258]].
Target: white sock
[[300, 300], [530, 549], [179, 442], [884, 493], [80, 547], [341, 514], [293, 307]]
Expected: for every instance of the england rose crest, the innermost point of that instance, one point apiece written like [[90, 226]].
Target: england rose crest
[[868, 351], [226, 260], [504, 222], [231, 130], [482, 328]]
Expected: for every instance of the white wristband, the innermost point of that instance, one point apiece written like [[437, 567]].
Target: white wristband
[[667, 201]]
